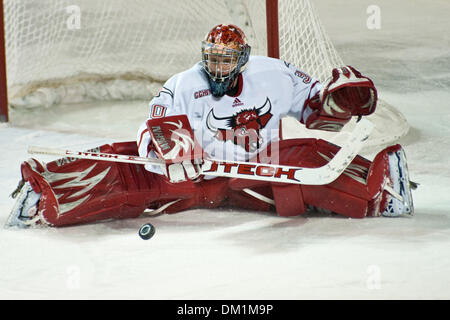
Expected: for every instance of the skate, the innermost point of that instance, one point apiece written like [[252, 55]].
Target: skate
[[24, 213], [400, 183]]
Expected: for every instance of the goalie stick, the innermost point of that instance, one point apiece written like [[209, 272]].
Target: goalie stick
[[248, 170]]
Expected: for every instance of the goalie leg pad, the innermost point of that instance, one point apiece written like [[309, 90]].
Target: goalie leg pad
[[351, 194], [75, 191], [283, 195], [190, 195]]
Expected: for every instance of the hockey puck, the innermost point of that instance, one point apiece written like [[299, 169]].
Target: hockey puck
[[146, 231]]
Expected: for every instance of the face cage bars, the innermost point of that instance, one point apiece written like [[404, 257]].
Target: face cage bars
[[220, 63]]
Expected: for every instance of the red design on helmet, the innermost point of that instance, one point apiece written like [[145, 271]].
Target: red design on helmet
[[227, 35]]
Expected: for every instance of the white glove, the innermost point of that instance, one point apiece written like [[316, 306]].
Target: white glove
[[182, 171]]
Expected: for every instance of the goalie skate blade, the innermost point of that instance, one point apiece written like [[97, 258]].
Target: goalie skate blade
[[402, 186], [20, 216]]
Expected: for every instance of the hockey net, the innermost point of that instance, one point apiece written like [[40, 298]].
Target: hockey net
[[64, 51]]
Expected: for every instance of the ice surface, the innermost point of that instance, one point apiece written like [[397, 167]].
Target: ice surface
[[229, 254]]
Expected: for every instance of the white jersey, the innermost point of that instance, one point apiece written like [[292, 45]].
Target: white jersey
[[234, 127]]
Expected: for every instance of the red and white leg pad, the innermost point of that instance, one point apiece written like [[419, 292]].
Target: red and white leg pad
[[77, 190], [357, 193], [73, 191]]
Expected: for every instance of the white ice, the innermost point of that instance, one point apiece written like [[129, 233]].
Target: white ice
[[230, 254]]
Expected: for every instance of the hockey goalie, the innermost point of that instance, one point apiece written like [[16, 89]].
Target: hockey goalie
[[228, 106]]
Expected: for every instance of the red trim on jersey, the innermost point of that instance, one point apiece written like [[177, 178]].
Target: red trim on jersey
[[280, 129], [140, 139], [240, 85], [307, 101]]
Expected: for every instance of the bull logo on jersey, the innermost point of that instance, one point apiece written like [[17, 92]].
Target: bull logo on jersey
[[243, 127]]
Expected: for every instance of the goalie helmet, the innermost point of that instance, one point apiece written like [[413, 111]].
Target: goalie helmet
[[225, 54]]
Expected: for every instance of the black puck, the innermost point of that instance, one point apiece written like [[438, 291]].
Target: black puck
[[146, 231]]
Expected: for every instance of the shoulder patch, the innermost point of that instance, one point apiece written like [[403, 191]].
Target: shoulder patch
[[157, 111]]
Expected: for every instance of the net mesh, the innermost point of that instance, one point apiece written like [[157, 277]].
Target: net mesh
[[54, 43], [83, 50]]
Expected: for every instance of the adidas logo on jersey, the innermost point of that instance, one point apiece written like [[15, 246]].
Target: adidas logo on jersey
[[237, 103]]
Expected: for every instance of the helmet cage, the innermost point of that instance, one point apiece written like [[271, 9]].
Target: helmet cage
[[223, 64]]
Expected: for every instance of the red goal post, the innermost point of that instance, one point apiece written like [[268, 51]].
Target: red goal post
[[4, 117]]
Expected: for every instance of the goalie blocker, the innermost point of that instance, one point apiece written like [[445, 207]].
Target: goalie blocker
[[73, 191]]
